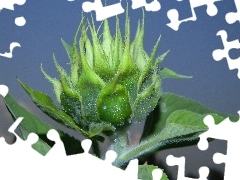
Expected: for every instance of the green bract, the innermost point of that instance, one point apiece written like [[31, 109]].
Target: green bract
[[112, 82]]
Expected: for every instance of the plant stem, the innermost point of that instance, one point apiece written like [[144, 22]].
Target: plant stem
[[145, 147]]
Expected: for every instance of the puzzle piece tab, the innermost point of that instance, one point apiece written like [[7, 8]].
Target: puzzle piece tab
[[11, 47], [219, 54], [153, 6], [229, 131], [232, 17], [101, 11], [56, 164], [9, 4], [180, 162], [3, 90], [173, 14]]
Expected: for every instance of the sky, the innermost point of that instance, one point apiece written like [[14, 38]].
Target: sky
[[213, 84]]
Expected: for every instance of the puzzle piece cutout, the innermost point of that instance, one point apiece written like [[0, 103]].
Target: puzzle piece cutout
[[219, 54], [180, 162], [3, 90], [229, 131], [12, 46], [173, 14], [56, 164], [101, 11], [232, 17], [9, 4], [153, 6], [19, 21]]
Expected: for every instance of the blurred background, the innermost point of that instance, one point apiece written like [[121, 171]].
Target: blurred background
[[213, 84]]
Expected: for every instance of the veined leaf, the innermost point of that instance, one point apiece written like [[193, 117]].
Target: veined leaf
[[170, 103], [182, 128], [46, 104], [32, 123]]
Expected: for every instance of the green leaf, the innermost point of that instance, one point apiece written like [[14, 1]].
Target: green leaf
[[128, 72], [95, 129], [118, 46], [65, 80], [146, 73], [46, 104], [101, 60], [41, 146], [137, 47], [56, 84], [167, 73], [89, 52], [89, 85], [74, 56], [107, 38], [145, 172], [160, 59], [72, 107], [170, 103], [181, 126], [74, 59], [32, 123], [147, 100], [68, 49]]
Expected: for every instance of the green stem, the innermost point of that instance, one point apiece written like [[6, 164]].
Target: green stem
[[145, 147], [119, 141]]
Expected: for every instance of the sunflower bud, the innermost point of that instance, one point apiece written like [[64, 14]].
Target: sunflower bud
[[112, 82]]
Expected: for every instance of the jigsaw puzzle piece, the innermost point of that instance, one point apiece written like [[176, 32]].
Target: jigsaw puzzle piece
[[86, 145], [93, 167], [157, 174], [153, 6], [232, 17], [219, 54], [101, 11], [216, 131], [20, 152], [231, 164], [12, 46], [110, 156], [219, 158], [173, 14], [9, 4], [58, 149], [20, 144], [3, 90], [180, 162], [229, 131], [203, 142], [67, 167]]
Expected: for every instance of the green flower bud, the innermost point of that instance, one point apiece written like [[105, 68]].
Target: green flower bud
[[113, 105], [112, 82]]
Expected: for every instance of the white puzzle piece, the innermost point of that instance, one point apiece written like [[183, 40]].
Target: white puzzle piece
[[180, 162], [153, 6], [173, 14], [19, 21], [229, 131], [232, 17], [220, 54], [56, 164], [101, 11]]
